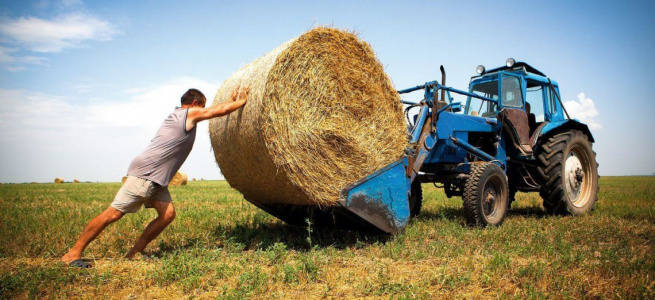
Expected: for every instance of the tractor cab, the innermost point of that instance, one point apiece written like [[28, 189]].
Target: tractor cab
[[525, 101]]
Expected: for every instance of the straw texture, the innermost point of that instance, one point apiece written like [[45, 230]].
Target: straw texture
[[321, 114]]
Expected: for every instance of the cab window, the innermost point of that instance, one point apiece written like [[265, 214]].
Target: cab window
[[552, 101], [534, 96], [478, 107], [511, 92]]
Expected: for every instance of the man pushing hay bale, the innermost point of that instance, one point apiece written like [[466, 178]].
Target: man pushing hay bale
[[150, 173], [322, 114]]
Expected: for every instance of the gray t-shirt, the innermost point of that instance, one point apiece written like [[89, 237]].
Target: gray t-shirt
[[166, 152]]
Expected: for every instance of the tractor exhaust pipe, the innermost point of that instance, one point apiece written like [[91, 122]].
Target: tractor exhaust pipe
[[439, 102], [443, 82]]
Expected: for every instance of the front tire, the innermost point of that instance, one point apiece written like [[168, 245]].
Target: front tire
[[569, 174], [485, 195]]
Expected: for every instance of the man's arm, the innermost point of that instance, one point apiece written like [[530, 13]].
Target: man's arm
[[197, 114]]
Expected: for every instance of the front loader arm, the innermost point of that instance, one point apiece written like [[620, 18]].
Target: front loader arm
[[424, 133]]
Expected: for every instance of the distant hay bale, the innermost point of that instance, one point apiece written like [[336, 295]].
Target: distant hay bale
[[180, 178], [321, 114], [76, 181], [124, 179], [193, 179], [59, 180], [34, 182]]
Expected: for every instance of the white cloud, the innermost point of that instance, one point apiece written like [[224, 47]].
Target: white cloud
[[14, 63], [82, 88], [15, 69], [54, 35], [46, 136], [584, 109]]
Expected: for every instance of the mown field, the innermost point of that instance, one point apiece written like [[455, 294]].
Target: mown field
[[222, 247]]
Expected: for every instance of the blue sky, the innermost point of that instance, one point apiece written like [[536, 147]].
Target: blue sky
[[85, 85]]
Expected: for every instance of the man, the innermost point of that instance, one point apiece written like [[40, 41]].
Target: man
[[151, 171]]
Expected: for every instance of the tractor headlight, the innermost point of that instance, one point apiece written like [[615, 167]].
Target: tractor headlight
[[480, 69], [510, 62]]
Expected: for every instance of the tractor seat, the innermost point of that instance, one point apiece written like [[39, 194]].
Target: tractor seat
[[515, 121], [532, 122]]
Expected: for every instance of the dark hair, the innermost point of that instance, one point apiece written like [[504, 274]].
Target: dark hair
[[192, 94]]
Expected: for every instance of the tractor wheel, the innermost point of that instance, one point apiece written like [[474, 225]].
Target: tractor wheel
[[416, 199], [569, 173], [485, 195]]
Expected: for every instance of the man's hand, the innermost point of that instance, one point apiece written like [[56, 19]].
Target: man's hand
[[240, 93]]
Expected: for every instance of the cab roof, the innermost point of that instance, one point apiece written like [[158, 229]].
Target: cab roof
[[516, 65]]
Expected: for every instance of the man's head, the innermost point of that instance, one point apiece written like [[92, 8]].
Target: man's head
[[194, 97]]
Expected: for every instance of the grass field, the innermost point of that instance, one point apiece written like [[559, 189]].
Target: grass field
[[220, 246]]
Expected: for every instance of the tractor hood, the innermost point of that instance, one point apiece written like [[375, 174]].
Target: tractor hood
[[451, 122]]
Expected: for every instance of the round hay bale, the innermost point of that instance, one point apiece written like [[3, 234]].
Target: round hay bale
[[59, 180], [76, 181], [180, 178], [321, 114], [124, 179]]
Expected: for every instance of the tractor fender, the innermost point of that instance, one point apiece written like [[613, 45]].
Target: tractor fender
[[565, 125]]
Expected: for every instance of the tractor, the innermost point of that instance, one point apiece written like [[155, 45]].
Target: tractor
[[512, 134]]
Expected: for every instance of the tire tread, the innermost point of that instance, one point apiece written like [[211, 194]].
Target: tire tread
[[550, 169]]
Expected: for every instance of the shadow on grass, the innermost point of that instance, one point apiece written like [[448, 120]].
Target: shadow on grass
[[168, 248], [263, 233], [266, 235], [536, 212], [446, 213], [455, 214], [261, 236]]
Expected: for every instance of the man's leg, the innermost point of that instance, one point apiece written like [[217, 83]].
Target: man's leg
[[166, 213], [91, 231]]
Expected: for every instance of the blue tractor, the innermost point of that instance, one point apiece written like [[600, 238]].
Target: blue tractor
[[513, 134]]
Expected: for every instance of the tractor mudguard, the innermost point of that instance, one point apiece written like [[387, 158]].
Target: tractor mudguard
[[558, 126]]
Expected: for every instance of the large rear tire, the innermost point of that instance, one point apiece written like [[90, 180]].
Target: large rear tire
[[416, 199], [485, 195], [569, 174]]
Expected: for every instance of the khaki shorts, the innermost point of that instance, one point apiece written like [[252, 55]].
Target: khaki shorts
[[136, 192]]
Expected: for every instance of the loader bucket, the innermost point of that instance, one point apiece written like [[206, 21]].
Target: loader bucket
[[377, 203], [381, 199]]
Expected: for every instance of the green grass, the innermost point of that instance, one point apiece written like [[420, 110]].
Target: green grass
[[220, 246]]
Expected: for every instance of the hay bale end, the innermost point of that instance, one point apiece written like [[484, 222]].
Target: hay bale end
[[321, 114]]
